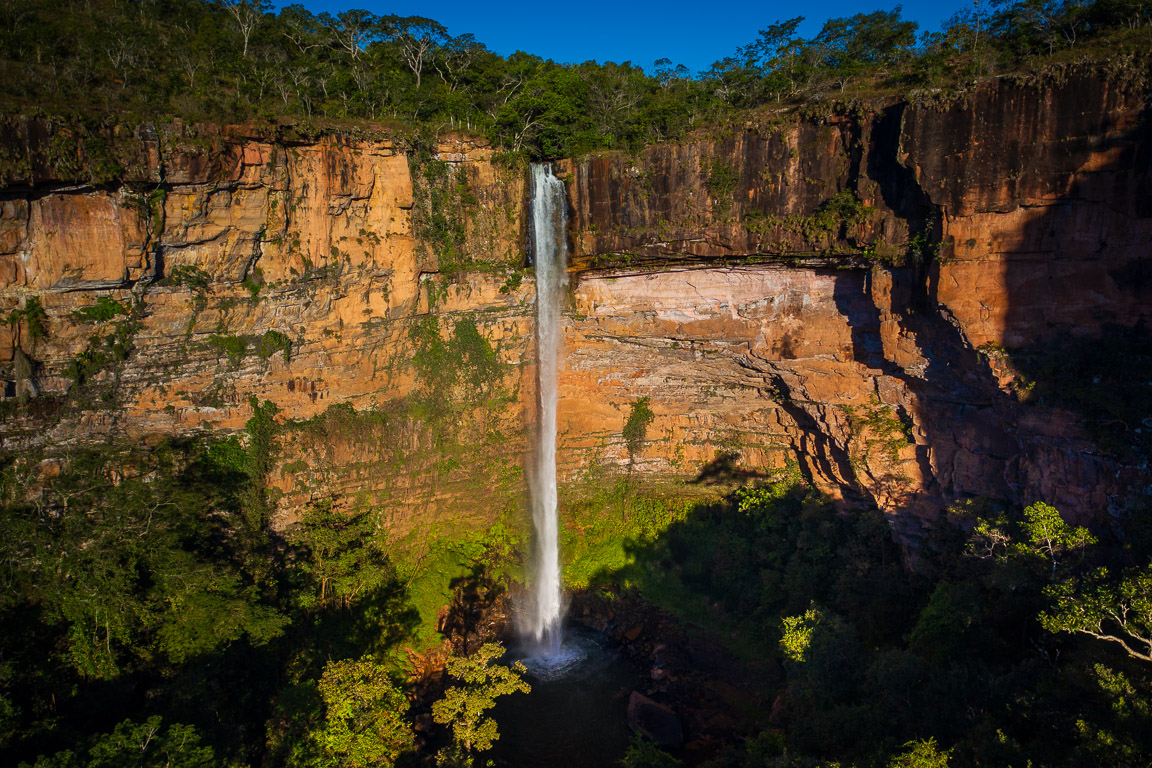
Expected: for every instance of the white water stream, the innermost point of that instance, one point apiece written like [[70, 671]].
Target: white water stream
[[550, 245]]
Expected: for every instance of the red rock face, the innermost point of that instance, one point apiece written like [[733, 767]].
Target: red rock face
[[740, 283]]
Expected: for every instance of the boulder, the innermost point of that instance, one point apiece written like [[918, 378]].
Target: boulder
[[654, 721]]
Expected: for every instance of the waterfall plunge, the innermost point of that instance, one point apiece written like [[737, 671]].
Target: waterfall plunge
[[549, 240]]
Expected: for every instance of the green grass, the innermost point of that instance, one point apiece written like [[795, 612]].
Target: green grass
[[602, 528], [428, 563]]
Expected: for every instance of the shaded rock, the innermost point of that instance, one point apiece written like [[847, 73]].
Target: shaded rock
[[654, 721]]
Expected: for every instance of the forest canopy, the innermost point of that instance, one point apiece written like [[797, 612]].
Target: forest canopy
[[239, 60]]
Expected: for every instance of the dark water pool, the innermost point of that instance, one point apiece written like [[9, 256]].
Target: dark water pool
[[575, 716]]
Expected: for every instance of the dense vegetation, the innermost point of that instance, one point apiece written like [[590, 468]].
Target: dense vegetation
[[1017, 639], [151, 616], [236, 60]]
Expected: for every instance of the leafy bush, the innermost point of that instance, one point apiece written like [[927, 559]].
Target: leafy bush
[[102, 311], [33, 316]]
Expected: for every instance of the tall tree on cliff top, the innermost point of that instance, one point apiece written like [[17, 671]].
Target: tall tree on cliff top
[[847, 46], [775, 53], [417, 39], [248, 14]]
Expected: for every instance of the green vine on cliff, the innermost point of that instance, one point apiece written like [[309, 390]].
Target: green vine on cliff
[[881, 429], [454, 374], [721, 184], [635, 431], [32, 317], [105, 309], [442, 197], [236, 348], [835, 218]]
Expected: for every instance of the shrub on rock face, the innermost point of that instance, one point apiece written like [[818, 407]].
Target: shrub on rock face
[[643, 753], [921, 754]]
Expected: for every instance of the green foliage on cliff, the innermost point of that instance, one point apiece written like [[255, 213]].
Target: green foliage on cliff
[[32, 316], [635, 430], [442, 197], [236, 348], [102, 311], [721, 181], [605, 521], [456, 374], [105, 351]]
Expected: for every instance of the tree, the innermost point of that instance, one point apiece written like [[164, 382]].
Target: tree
[[776, 52], [921, 754], [364, 725], [1049, 536], [131, 564], [1098, 606], [771, 43], [846, 46], [417, 37], [302, 28], [353, 29], [248, 15], [636, 427], [455, 57], [346, 558], [667, 72], [796, 636], [139, 745], [644, 753], [464, 706], [880, 37]]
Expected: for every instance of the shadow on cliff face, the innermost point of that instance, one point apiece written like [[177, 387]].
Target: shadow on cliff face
[[725, 469], [1075, 307]]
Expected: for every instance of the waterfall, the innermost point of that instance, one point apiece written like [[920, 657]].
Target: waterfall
[[549, 241]]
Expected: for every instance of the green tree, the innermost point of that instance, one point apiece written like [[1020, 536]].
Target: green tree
[[125, 555], [481, 682], [1050, 537], [364, 725], [1116, 611], [139, 745], [796, 633], [345, 554], [921, 754]]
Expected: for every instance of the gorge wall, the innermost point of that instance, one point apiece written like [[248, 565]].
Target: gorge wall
[[845, 291]]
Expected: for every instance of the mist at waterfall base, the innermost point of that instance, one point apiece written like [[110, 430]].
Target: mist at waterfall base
[[549, 254]]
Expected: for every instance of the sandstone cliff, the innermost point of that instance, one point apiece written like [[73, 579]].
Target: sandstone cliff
[[842, 290]]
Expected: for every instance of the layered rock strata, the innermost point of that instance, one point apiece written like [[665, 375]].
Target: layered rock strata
[[834, 291]]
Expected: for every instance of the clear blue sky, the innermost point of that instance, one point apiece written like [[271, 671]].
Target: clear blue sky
[[694, 34]]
